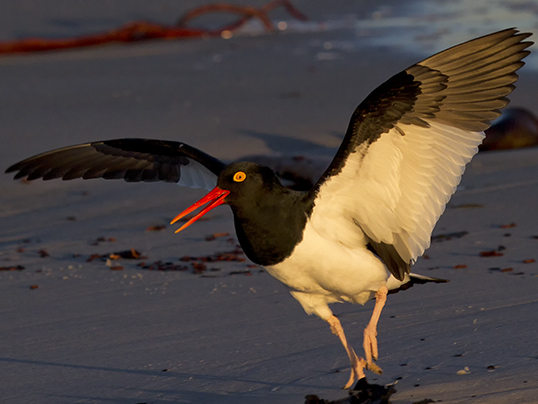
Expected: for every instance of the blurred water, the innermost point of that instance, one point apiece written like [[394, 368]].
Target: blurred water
[[425, 26], [431, 25], [419, 26]]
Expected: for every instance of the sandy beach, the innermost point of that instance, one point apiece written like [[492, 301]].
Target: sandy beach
[[76, 328]]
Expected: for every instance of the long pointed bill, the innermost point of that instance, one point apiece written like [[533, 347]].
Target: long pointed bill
[[215, 198]]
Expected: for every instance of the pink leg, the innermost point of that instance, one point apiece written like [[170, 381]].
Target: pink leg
[[370, 332], [357, 364]]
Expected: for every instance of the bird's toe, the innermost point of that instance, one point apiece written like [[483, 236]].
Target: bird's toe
[[352, 378], [372, 367], [370, 345], [357, 372]]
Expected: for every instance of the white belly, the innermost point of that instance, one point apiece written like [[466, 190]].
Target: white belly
[[322, 271]]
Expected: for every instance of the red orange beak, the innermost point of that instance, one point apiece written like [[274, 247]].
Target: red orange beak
[[214, 198]]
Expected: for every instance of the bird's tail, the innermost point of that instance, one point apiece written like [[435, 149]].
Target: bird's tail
[[416, 279]]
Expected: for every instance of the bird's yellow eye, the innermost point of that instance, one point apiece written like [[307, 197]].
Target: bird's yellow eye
[[239, 176]]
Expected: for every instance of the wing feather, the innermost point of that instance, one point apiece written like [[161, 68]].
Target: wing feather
[[408, 143], [132, 160]]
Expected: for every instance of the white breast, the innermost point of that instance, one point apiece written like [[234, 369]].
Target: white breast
[[321, 271]]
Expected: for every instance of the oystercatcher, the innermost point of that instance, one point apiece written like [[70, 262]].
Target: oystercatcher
[[356, 233]]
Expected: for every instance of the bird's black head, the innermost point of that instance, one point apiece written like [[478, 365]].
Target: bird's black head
[[269, 218], [244, 186], [247, 183]]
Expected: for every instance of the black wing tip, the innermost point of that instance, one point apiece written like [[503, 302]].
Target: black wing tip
[[10, 169], [514, 31], [517, 32], [18, 169], [17, 166], [523, 36]]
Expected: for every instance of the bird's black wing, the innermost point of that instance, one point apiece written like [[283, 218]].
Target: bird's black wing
[[407, 145], [133, 160]]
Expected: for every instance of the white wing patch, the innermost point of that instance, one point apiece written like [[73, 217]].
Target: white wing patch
[[396, 189], [195, 175]]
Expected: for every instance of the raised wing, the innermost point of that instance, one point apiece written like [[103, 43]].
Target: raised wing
[[407, 145], [133, 160]]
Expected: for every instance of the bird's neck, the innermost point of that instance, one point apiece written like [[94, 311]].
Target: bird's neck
[[270, 228]]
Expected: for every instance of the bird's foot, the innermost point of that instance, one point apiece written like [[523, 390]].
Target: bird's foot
[[357, 364], [372, 367], [357, 372], [370, 343], [370, 349]]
